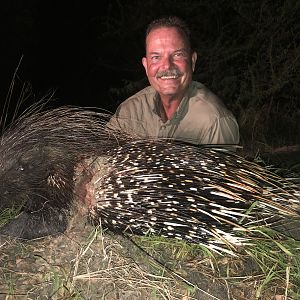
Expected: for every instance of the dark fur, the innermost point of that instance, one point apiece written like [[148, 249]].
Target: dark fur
[[38, 154]]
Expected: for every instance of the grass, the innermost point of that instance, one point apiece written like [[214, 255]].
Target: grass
[[262, 91], [95, 263], [7, 214], [274, 263], [278, 261], [92, 262]]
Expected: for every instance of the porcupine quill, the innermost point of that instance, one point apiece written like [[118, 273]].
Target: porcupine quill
[[200, 194]]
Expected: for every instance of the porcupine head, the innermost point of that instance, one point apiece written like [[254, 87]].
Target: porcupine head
[[39, 155], [37, 158], [34, 185]]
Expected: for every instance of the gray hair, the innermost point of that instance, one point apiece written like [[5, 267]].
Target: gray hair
[[171, 21]]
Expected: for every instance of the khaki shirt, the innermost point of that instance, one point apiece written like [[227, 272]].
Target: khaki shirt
[[201, 117]]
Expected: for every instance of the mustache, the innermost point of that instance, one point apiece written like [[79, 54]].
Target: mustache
[[169, 72]]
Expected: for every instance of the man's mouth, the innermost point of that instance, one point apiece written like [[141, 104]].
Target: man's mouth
[[169, 74], [169, 77]]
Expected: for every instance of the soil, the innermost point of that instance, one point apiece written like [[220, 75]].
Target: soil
[[87, 264]]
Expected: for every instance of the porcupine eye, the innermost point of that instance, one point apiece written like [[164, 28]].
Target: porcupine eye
[[23, 168], [14, 181], [20, 168]]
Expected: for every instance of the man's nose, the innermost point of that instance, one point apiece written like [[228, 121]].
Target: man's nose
[[167, 62]]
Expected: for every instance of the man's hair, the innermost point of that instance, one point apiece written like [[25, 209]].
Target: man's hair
[[171, 21]]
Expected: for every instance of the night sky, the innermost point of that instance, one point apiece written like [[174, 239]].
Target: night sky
[[81, 51]]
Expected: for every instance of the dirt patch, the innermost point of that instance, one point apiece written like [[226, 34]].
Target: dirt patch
[[88, 264]]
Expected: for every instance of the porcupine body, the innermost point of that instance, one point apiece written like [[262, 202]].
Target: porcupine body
[[200, 194], [38, 155], [196, 193]]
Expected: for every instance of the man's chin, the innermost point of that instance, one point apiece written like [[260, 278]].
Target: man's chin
[[168, 90]]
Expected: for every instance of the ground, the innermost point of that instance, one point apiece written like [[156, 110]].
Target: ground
[[85, 263], [89, 263]]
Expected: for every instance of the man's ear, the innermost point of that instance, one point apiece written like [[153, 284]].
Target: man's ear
[[144, 62], [194, 59]]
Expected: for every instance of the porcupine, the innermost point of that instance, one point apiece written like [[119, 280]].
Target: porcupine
[[195, 193]]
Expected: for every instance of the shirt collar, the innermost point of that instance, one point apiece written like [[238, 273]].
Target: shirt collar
[[181, 109]]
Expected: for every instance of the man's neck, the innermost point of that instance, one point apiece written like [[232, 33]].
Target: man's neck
[[169, 107]]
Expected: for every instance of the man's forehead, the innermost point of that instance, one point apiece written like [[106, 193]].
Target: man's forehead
[[166, 35], [165, 30]]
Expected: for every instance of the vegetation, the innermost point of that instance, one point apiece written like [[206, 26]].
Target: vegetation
[[94, 264]]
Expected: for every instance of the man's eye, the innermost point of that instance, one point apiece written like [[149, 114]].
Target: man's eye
[[179, 55], [155, 57]]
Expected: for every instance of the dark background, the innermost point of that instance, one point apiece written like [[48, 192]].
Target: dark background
[[82, 50], [90, 54]]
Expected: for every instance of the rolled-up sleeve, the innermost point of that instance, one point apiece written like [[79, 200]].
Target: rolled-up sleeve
[[223, 131]]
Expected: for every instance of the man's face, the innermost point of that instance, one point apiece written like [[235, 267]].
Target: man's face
[[169, 63]]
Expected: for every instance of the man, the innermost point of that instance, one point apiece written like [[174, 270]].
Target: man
[[174, 106]]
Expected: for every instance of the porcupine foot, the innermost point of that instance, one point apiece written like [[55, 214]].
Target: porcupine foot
[[30, 225]]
